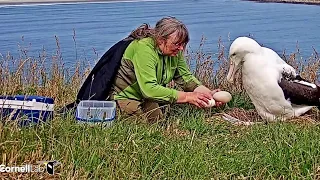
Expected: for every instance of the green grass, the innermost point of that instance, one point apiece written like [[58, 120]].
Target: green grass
[[188, 145]]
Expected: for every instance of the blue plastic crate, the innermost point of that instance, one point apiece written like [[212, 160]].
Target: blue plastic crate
[[26, 109]]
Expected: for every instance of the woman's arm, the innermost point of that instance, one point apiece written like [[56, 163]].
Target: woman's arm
[[183, 76]]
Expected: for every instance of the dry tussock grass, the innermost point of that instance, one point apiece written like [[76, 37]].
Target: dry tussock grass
[[38, 76], [27, 75]]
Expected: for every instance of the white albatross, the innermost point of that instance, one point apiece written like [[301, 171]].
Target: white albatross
[[262, 70]]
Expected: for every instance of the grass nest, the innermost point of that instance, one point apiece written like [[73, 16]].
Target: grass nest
[[251, 115]]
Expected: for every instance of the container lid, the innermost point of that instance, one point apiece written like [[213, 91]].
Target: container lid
[[43, 99], [97, 104]]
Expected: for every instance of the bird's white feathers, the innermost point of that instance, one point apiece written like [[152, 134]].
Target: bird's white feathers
[[262, 69]]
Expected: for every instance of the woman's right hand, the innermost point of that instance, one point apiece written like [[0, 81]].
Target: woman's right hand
[[198, 99]]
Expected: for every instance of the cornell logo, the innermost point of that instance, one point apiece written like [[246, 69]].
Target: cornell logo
[[50, 165]]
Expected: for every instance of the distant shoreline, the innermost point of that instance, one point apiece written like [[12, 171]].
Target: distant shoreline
[[310, 2], [22, 2]]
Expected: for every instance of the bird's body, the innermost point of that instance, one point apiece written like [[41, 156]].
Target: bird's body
[[262, 71]]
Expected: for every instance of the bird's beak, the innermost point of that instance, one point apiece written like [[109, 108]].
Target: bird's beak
[[231, 72]]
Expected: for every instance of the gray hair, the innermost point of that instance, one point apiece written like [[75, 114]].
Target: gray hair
[[163, 29]]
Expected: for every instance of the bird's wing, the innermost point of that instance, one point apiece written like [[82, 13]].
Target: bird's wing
[[274, 57], [285, 70]]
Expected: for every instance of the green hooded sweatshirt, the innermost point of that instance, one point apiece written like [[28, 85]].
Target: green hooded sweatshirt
[[144, 72]]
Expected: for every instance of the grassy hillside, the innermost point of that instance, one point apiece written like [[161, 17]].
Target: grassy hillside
[[189, 143]]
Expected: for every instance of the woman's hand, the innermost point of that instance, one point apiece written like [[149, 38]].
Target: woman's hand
[[196, 98], [203, 89]]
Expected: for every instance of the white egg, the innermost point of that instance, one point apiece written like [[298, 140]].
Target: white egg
[[211, 103], [222, 96]]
